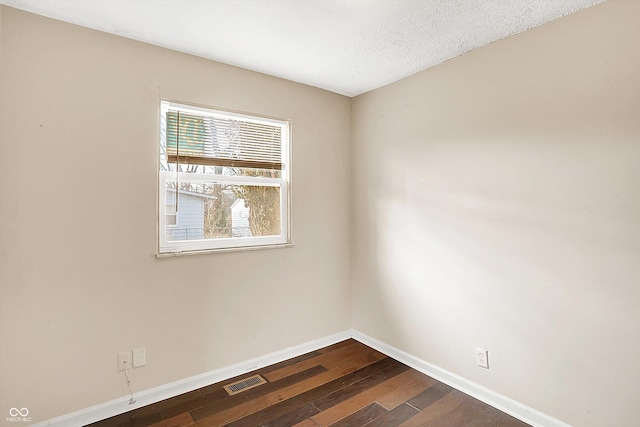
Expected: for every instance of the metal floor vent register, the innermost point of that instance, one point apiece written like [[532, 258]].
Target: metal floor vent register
[[245, 384]]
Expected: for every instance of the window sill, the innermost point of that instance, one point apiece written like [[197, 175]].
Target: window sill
[[222, 250]]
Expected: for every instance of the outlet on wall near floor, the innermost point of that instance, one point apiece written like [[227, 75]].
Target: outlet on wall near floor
[[139, 357], [482, 358], [125, 356], [135, 358]]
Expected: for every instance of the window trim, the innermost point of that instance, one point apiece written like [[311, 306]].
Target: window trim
[[200, 246]]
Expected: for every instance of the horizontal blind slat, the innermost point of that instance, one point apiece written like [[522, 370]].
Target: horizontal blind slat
[[219, 141]]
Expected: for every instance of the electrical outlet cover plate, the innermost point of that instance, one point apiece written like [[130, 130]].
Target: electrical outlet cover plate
[[482, 358], [125, 356], [139, 357]]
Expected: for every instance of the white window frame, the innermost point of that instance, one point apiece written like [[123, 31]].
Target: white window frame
[[166, 247]]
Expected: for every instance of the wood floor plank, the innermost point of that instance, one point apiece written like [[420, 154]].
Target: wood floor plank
[[336, 370], [292, 417], [364, 398], [338, 345], [320, 358], [498, 419], [485, 417], [437, 410], [182, 420], [397, 397], [233, 413], [377, 366], [394, 417], [509, 421], [368, 382], [364, 356], [463, 414], [317, 359], [361, 417], [294, 361], [306, 385], [306, 423], [429, 396]]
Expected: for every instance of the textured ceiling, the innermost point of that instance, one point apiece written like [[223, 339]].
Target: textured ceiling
[[345, 46]]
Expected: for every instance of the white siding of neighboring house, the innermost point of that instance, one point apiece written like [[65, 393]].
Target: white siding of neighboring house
[[240, 219], [190, 218]]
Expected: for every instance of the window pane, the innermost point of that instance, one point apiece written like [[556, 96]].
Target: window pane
[[224, 178], [214, 211]]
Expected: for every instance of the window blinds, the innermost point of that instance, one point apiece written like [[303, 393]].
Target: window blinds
[[219, 140]]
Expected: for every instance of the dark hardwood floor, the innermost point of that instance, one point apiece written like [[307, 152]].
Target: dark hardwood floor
[[346, 384]]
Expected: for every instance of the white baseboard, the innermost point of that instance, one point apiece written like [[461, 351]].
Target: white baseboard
[[148, 397], [490, 397]]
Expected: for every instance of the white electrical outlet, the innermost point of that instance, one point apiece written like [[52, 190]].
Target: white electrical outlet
[[125, 356], [139, 357], [482, 358]]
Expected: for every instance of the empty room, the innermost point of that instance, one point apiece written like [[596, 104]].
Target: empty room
[[319, 213]]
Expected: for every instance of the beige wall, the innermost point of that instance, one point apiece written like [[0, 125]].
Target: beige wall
[[78, 133], [496, 205]]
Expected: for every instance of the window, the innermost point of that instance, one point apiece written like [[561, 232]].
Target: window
[[223, 180]]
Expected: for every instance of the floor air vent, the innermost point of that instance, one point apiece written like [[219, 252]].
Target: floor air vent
[[245, 384]]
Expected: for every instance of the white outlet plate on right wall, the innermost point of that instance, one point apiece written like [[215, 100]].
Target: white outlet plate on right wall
[[482, 358]]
